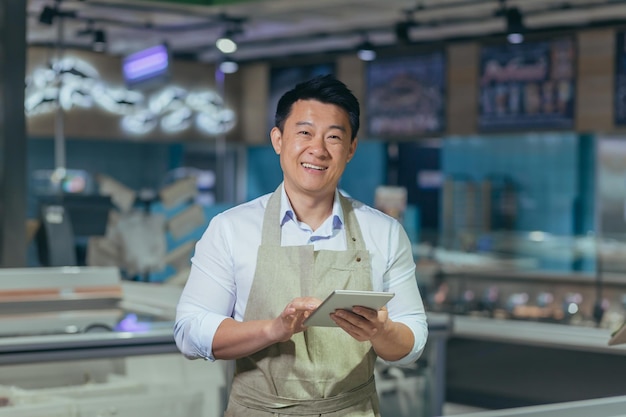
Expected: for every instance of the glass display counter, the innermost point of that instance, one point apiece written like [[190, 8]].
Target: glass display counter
[[529, 276], [532, 316], [127, 338]]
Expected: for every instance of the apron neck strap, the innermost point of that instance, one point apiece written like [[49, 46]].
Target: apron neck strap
[[354, 239], [271, 220]]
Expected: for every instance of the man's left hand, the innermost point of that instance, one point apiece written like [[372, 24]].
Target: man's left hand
[[362, 323]]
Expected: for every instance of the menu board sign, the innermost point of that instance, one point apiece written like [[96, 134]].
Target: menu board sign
[[405, 95], [620, 79], [526, 86]]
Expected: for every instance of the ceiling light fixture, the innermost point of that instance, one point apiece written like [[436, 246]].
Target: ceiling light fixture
[[402, 29], [228, 66], [225, 43], [402, 32], [47, 15], [515, 28], [99, 40], [365, 51]]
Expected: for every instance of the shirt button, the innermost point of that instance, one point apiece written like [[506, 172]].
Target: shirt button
[[358, 259]]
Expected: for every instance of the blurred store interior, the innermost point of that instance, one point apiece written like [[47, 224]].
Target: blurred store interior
[[494, 130]]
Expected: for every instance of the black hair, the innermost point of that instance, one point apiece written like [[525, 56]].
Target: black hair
[[323, 88]]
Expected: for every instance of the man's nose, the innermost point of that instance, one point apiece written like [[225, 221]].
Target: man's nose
[[318, 146]]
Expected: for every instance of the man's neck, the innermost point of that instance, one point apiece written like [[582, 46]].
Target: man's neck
[[312, 210]]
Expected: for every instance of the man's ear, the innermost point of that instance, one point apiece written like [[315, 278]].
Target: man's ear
[[276, 136], [352, 150]]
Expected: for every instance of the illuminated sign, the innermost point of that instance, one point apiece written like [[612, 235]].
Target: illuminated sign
[[72, 83], [146, 65]]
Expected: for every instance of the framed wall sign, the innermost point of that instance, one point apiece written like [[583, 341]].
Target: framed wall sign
[[527, 86], [406, 95]]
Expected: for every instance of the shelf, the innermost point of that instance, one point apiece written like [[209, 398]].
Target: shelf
[[522, 275], [560, 336]]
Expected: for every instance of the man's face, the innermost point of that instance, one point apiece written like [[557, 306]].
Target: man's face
[[314, 147]]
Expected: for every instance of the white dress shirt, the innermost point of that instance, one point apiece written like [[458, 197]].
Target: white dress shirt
[[224, 263]]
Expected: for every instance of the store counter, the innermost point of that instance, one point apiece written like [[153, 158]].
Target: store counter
[[521, 363], [154, 339], [603, 407], [74, 313], [549, 335], [130, 327]]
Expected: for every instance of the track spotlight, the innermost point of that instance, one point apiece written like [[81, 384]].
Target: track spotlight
[[99, 40], [402, 31], [225, 43], [515, 28], [47, 15], [366, 52], [403, 28], [228, 66]]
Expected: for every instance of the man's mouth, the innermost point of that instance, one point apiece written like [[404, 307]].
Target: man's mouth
[[311, 166]]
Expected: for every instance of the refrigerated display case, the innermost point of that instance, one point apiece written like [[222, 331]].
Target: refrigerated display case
[[532, 316]]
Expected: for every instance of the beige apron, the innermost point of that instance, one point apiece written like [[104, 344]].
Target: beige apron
[[321, 371]]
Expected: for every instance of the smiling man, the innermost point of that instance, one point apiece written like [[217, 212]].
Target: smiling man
[[262, 267]]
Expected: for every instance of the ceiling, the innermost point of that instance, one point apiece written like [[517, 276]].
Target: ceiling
[[268, 29]]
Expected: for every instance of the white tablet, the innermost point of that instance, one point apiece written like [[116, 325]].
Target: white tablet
[[345, 300]]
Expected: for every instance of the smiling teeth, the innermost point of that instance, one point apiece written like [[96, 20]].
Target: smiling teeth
[[311, 166]]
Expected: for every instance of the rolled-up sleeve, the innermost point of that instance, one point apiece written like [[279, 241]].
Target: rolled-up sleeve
[[407, 306], [209, 294]]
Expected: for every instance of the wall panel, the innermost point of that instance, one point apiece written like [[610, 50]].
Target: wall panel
[[595, 85], [462, 96]]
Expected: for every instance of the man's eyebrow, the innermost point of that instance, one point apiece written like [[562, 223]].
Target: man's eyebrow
[[303, 123], [338, 127]]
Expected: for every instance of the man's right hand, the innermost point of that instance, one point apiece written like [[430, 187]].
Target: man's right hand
[[290, 320], [234, 339]]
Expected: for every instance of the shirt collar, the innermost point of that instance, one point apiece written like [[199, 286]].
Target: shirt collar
[[287, 213]]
